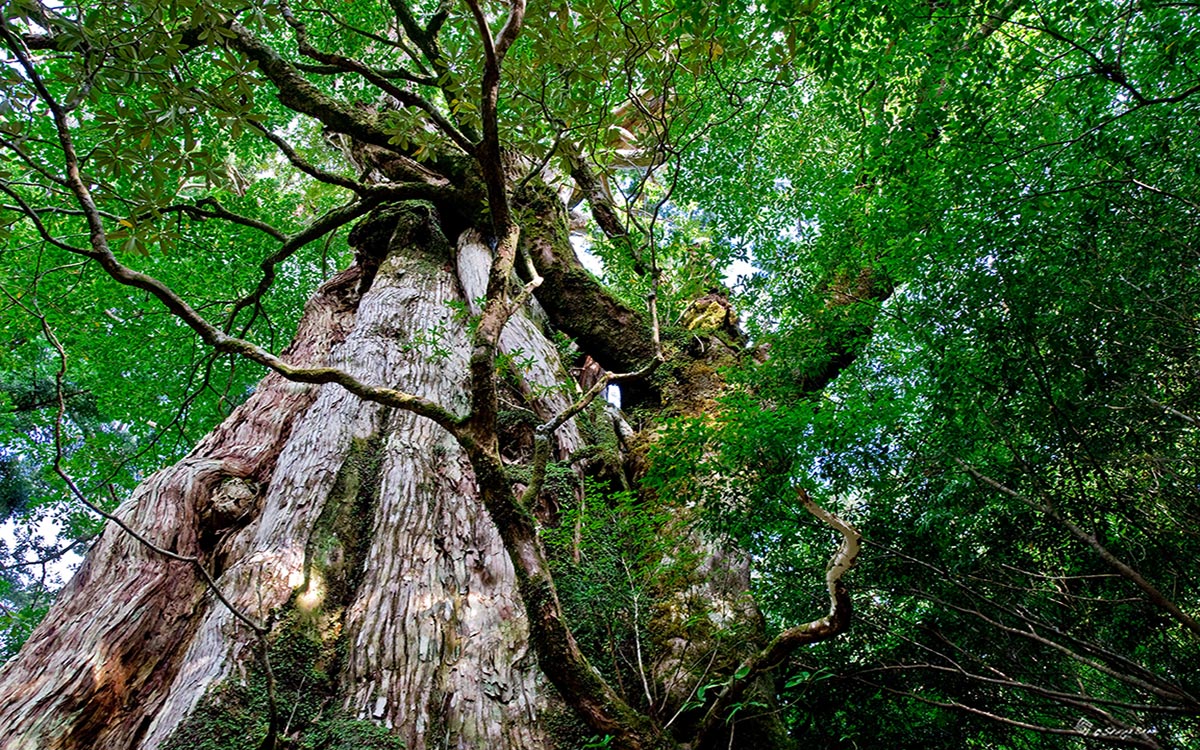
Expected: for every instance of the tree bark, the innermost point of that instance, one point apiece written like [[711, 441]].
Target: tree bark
[[117, 634], [425, 600]]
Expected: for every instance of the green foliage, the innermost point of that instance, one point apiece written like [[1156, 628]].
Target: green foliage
[[349, 734], [964, 235], [26, 609], [610, 557], [1041, 331]]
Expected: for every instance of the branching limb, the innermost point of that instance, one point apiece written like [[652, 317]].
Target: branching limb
[[304, 165], [535, 281], [33, 163], [350, 65], [396, 73], [211, 208], [506, 234], [486, 341], [1163, 690], [1129, 738], [51, 556], [489, 148], [296, 93], [336, 218], [426, 40], [1081, 701], [832, 624], [210, 334], [604, 210], [34, 216], [543, 432], [1035, 629], [61, 406]]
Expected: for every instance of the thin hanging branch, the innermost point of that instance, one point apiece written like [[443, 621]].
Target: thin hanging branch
[[1124, 569]]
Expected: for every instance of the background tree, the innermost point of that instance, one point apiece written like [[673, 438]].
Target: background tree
[[972, 325]]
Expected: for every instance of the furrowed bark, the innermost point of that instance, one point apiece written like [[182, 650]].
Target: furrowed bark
[[100, 666], [427, 599]]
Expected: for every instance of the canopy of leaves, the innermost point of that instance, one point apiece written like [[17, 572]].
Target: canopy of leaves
[[962, 238]]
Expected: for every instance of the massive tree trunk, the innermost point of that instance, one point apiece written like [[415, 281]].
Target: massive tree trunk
[[308, 498], [349, 527], [355, 557]]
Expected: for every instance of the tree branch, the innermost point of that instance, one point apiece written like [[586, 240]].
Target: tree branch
[[1127, 572], [212, 336], [350, 65], [305, 166], [832, 624], [336, 218], [299, 95]]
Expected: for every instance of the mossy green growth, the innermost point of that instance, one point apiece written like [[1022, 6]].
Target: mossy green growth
[[235, 714], [560, 482], [340, 539], [564, 729], [596, 427], [510, 419], [231, 716], [608, 557], [343, 733]]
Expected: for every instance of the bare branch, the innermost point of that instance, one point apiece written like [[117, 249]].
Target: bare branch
[[32, 163], [488, 153], [210, 208], [1132, 738], [336, 218], [305, 166], [60, 377], [822, 629], [260, 630], [34, 217]]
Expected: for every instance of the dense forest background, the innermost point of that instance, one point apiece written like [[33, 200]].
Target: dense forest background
[[949, 248]]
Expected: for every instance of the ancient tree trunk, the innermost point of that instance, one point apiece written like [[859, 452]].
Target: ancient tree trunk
[[308, 503], [358, 535]]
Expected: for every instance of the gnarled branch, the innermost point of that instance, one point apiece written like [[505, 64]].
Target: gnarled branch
[[822, 629]]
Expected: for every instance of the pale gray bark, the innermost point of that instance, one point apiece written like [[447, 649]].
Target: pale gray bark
[[438, 641]]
